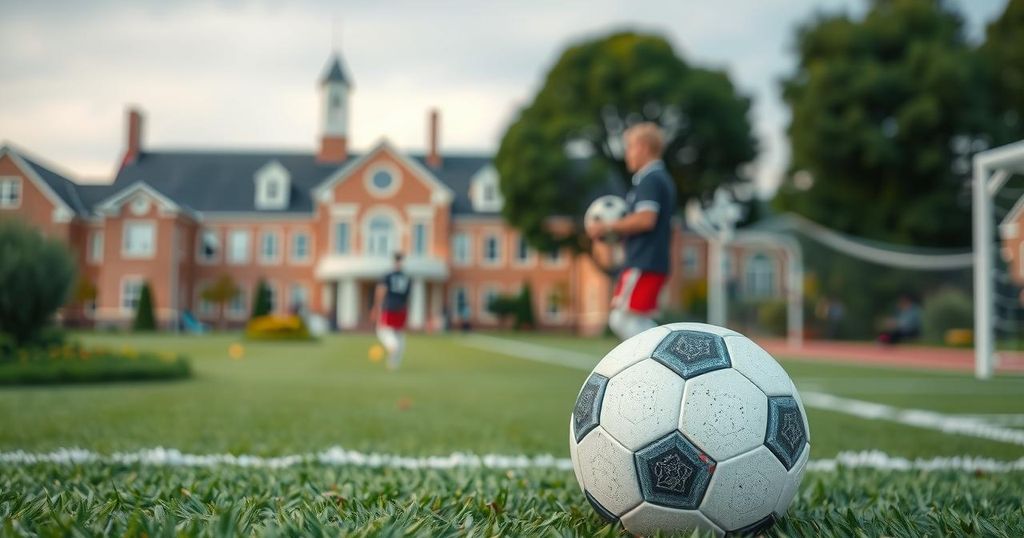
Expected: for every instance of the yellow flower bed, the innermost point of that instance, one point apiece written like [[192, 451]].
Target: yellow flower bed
[[277, 328]]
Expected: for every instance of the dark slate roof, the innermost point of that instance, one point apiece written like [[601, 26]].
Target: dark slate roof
[[335, 71], [65, 188], [224, 181], [92, 194], [456, 171]]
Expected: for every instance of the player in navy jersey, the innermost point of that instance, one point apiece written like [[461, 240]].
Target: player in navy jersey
[[647, 232], [390, 310]]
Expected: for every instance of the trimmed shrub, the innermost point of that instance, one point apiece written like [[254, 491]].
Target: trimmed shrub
[[145, 320], [503, 307], [261, 300], [524, 308], [277, 328], [945, 310], [36, 277], [74, 364]]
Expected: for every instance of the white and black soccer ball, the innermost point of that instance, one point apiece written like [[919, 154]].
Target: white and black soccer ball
[[606, 209], [689, 426]]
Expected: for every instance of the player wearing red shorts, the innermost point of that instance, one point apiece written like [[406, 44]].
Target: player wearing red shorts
[[647, 232], [390, 310]]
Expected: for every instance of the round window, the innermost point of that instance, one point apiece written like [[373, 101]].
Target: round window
[[382, 180]]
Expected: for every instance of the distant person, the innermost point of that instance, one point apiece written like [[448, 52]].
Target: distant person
[[390, 311], [831, 312], [906, 325], [647, 232]]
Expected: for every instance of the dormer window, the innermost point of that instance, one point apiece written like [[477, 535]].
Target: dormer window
[[272, 186], [485, 193]]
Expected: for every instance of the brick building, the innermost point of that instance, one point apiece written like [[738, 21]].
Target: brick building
[[318, 227]]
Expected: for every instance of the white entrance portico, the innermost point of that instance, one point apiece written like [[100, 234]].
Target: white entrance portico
[[351, 273]]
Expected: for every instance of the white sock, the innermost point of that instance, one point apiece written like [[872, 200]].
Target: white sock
[[626, 324], [395, 357]]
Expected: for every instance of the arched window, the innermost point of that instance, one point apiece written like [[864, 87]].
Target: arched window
[[760, 275], [381, 238]]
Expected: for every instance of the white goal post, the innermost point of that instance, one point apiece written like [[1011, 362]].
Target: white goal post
[[992, 169]]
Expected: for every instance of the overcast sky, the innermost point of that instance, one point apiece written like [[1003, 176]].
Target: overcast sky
[[242, 74]]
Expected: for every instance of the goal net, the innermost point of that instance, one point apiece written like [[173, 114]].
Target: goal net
[[998, 219]]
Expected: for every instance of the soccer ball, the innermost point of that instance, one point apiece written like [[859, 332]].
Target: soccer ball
[[689, 426], [606, 209]]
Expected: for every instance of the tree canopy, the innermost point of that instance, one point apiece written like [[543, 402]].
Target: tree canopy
[[566, 145], [886, 112]]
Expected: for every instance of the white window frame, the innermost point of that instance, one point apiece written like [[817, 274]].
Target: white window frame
[[752, 281], [230, 250], [96, 243], [306, 303], [691, 255], [487, 289], [499, 247], [294, 240], [374, 190], [9, 186], [531, 253], [456, 313], [394, 239], [123, 295], [201, 257], [427, 251], [274, 259], [334, 237], [236, 311], [146, 255], [467, 239]]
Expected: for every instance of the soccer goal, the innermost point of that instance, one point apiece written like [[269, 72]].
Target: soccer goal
[[996, 198]]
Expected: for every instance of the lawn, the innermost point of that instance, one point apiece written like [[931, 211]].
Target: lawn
[[300, 398]]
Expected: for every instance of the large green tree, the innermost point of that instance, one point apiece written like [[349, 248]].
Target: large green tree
[[1003, 57], [566, 144], [36, 276], [886, 111]]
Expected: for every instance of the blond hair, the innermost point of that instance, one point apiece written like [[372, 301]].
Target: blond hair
[[649, 134]]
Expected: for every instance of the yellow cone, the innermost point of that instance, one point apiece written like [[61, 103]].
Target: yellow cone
[[236, 351], [376, 353]]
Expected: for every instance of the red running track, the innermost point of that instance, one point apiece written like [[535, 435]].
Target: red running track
[[906, 356]]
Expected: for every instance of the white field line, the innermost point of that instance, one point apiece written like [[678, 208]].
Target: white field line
[[1006, 419], [337, 456], [913, 417], [533, 352], [170, 457], [931, 420]]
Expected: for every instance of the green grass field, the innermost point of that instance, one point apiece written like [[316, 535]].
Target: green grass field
[[300, 398]]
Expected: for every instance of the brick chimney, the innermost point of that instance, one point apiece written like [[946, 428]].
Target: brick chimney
[[333, 149], [133, 142], [433, 155]]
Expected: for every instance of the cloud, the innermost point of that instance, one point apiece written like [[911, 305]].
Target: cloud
[[243, 73]]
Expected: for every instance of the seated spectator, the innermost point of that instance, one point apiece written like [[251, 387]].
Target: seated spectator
[[906, 325]]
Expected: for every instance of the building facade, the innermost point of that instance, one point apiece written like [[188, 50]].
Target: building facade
[[319, 228]]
